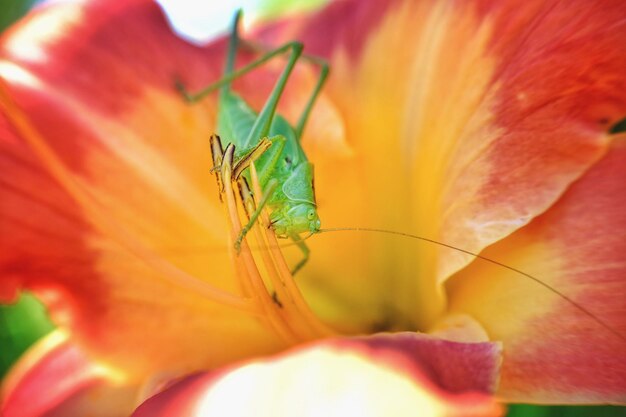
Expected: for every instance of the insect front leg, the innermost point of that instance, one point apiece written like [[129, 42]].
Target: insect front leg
[[271, 150], [240, 164], [305, 252], [247, 194], [251, 155]]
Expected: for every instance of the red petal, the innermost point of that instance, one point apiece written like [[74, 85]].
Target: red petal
[[553, 351], [55, 378], [403, 374], [466, 119], [108, 210]]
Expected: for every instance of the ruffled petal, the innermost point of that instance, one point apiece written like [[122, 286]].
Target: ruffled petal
[[55, 378], [109, 211], [402, 374], [568, 347], [466, 119]]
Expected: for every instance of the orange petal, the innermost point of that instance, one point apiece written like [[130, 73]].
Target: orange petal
[[55, 378], [383, 375], [555, 352], [109, 211], [466, 120]]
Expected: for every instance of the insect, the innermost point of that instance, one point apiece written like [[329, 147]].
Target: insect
[[268, 140]]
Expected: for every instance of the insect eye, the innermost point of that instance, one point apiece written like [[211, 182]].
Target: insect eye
[[311, 214]]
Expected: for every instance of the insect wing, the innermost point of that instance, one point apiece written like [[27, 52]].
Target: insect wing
[[234, 120]]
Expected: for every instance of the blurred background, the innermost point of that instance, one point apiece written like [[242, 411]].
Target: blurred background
[[24, 322]]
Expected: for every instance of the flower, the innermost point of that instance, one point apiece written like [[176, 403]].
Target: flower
[[483, 125]]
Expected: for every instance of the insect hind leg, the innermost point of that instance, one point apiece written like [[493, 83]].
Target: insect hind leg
[[321, 80], [194, 97]]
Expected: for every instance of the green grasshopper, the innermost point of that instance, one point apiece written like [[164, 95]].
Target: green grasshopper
[[284, 172]]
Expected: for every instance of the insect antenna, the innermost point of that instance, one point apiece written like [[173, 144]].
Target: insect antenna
[[550, 288], [233, 42]]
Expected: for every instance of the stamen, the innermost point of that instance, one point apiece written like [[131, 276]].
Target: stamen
[[290, 318], [246, 269], [283, 281]]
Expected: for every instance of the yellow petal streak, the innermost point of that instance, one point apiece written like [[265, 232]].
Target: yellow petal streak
[[417, 112]]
